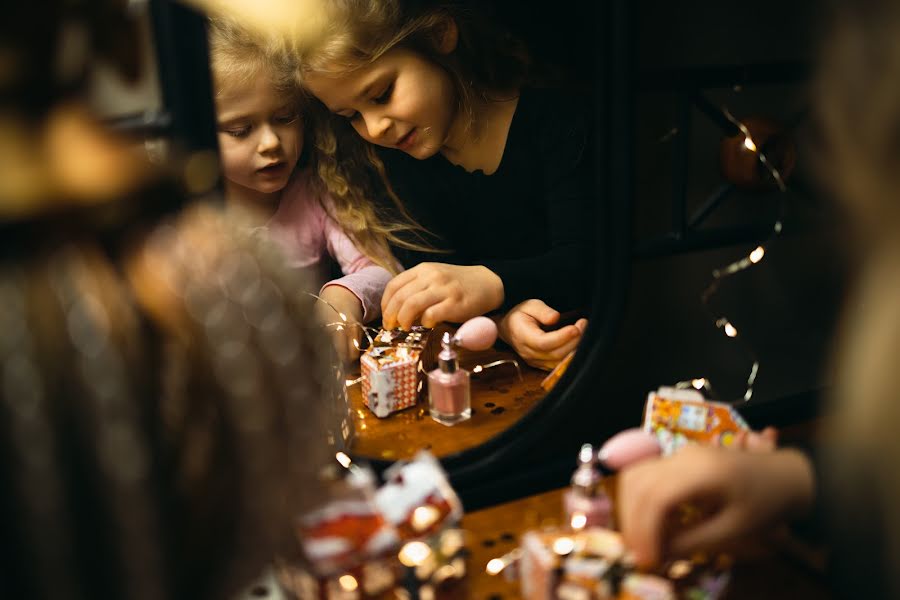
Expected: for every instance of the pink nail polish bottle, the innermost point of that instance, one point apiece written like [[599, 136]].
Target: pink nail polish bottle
[[586, 502], [449, 400]]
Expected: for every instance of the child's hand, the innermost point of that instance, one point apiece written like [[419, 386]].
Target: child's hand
[[345, 301], [430, 293], [749, 490], [521, 329]]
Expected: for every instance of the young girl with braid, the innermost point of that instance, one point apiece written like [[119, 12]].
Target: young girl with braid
[[273, 176]]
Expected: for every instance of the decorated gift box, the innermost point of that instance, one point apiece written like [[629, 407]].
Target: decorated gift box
[[679, 416], [363, 541], [348, 529], [593, 564], [417, 499], [392, 369]]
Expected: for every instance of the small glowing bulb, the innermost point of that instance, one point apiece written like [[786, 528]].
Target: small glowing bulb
[[749, 145], [478, 369], [579, 520], [343, 459], [348, 583], [356, 344], [495, 566], [424, 517], [563, 546], [339, 328], [680, 569], [414, 553], [730, 331], [757, 255], [699, 384], [342, 316]]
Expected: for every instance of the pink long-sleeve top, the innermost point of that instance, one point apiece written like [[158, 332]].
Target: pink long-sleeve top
[[306, 232]]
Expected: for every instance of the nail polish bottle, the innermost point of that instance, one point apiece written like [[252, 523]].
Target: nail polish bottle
[[449, 399], [586, 502]]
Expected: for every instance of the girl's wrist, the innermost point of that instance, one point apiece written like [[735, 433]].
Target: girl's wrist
[[495, 287], [796, 473]]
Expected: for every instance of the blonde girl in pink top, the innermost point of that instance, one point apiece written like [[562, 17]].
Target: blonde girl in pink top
[[270, 176]]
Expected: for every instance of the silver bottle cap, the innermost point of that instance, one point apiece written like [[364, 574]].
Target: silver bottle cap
[[448, 360]]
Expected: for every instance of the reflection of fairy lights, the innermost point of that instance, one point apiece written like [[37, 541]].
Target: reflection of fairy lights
[[579, 520], [730, 330], [563, 546], [348, 583], [343, 459], [506, 361], [680, 569], [755, 257], [444, 573], [495, 566], [424, 517], [452, 542], [426, 592], [414, 553]]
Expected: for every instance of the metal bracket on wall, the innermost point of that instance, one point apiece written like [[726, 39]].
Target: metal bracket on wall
[[686, 233]]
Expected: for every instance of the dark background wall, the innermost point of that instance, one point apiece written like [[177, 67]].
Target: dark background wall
[[787, 307]]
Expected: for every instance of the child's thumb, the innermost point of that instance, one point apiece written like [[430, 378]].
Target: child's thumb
[[543, 313]]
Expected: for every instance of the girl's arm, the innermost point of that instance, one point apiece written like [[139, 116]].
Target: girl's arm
[[362, 277]]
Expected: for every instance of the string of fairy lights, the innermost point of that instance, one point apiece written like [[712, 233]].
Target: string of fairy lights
[[748, 261]]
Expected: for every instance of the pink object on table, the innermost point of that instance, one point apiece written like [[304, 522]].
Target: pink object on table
[[628, 447], [479, 333]]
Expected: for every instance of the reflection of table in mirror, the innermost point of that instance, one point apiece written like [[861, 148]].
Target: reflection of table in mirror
[[499, 400], [765, 568]]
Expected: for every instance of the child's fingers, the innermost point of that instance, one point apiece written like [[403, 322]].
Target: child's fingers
[[649, 491], [539, 310], [581, 324], [398, 282], [708, 534], [642, 513], [550, 341], [414, 305], [439, 312], [395, 285], [391, 311]]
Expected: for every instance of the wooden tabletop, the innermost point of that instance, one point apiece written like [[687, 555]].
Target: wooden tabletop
[[499, 399], [772, 568]]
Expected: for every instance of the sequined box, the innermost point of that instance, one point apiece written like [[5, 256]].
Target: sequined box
[[392, 369], [677, 417]]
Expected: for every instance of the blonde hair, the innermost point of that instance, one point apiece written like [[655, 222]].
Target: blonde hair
[[353, 175], [237, 57], [485, 62], [858, 98], [859, 105]]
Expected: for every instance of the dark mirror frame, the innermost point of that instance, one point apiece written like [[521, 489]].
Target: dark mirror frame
[[188, 117], [537, 452]]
